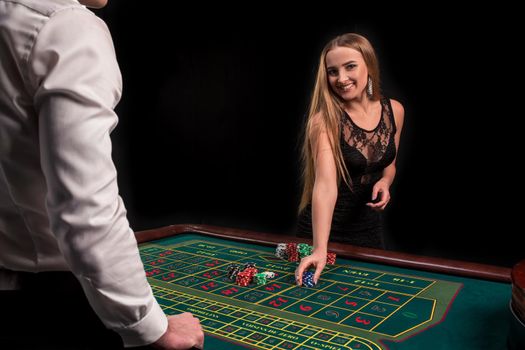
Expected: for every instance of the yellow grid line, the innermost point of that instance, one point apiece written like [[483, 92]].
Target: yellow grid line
[[226, 247]]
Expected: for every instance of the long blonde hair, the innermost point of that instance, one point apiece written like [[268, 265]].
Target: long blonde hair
[[328, 105]]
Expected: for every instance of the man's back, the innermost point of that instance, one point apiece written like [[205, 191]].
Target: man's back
[[59, 202], [25, 238]]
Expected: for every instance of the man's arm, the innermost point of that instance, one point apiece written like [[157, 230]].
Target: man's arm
[[77, 84]]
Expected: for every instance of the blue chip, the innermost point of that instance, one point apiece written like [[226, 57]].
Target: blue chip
[[308, 279]]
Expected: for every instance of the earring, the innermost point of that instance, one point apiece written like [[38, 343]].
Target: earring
[[369, 87]]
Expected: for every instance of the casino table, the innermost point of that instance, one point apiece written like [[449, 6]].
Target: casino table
[[369, 299]]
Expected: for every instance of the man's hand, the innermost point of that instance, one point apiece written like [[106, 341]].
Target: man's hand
[[184, 332]]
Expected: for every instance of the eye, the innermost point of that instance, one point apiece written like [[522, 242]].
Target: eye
[[332, 72], [350, 66]]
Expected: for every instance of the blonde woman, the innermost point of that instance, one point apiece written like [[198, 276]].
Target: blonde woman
[[349, 153]]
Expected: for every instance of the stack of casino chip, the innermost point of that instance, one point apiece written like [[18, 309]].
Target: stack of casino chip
[[248, 265], [243, 279], [292, 252], [233, 270], [330, 258], [260, 278], [295, 252], [248, 274], [251, 271], [280, 251], [269, 274], [304, 250], [308, 279], [518, 290]]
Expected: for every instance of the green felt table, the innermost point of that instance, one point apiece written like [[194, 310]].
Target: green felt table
[[370, 299]]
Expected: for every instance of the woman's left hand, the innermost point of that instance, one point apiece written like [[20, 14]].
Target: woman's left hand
[[380, 196]]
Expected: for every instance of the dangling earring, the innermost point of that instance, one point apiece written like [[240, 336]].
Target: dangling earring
[[369, 87]]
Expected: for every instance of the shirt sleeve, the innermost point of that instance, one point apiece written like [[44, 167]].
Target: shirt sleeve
[[77, 83]]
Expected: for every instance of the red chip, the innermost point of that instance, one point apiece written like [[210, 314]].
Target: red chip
[[291, 251], [330, 258], [243, 279]]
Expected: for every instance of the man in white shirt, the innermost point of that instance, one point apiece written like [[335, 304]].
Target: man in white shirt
[[59, 203]]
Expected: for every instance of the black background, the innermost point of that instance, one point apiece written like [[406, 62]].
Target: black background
[[214, 105]]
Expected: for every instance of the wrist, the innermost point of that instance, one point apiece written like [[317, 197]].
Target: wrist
[[386, 180], [320, 250]]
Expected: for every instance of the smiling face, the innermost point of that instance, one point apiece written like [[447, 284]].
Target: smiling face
[[347, 72]]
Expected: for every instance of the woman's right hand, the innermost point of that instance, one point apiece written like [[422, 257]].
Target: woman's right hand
[[317, 260]]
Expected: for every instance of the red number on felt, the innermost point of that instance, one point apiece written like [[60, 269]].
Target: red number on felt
[[351, 303], [358, 319], [230, 291], [213, 263], [344, 289], [305, 308], [393, 298], [168, 276], [278, 302], [209, 274], [152, 272], [159, 261], [272, 287], [209, 285]]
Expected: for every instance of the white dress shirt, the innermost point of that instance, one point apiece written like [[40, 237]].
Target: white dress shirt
[[59, 202]]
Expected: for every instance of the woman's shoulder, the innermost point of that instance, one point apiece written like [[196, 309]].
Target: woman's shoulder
[[398, 111], [396, 106]]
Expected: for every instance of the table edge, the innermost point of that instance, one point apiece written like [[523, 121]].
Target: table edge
[[406, 260]]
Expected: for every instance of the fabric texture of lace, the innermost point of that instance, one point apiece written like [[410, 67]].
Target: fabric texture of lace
[[372, 144]]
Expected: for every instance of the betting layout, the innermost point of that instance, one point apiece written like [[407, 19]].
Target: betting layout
[[350, 308], [292, 252]]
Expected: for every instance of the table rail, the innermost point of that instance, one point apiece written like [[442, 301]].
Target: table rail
[[406, 260]]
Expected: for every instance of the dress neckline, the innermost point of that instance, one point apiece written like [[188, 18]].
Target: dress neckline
[[367, 130]]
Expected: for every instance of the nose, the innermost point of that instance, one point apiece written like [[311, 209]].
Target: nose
[[342, 78]]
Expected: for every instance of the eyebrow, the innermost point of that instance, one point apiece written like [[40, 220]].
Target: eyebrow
[[344, 64]]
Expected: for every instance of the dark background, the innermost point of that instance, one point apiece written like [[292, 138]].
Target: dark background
[[214, 105]]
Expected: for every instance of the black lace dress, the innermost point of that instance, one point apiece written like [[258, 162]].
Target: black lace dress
[[366, 153]]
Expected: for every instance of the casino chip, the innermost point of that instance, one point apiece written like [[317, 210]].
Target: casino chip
[[280, 251], [330, 258], [308, 279], [260, 278], [269, 274], [248, 265], [233, 270], [243, 279], [304, 250], [294, 252]]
